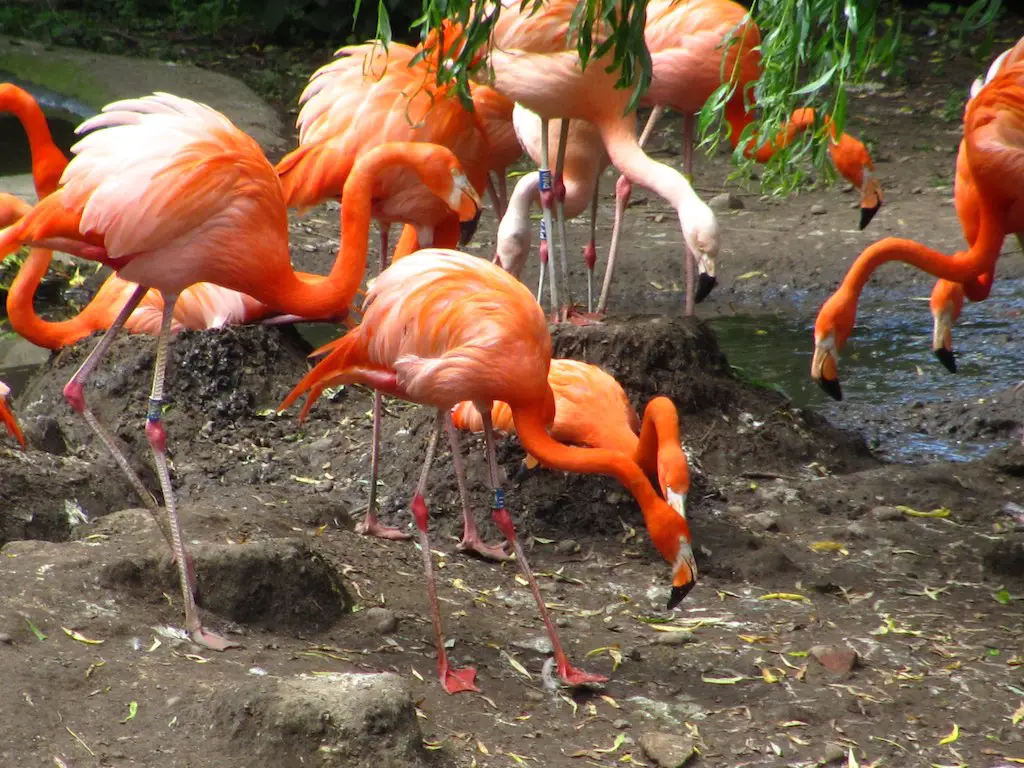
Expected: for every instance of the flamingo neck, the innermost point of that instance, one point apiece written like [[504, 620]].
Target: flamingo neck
[[538, 443], [48, 161], [798, 122], [962, 267], [624, 151], [25, 321], [659, 441]]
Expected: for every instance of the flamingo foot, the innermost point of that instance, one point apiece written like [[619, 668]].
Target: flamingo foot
[[371, 526], [457, 680], [210, 640], [574, 677], [476, 545], [577, 316]]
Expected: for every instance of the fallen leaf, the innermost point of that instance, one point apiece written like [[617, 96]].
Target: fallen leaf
[[829, 546], [754, 273], [1018, 715], [133, 710], [785, 596], [480, 746], [952, 736], [518, 667], [911, 512], [81, 638], [723, 680]]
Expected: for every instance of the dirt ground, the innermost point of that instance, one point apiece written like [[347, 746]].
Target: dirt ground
[[848, 610]]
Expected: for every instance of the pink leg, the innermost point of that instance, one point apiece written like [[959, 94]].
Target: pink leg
[[158, 442], [452, 680], [689, 124], [74, 393], [371, 526], [570, 674], [590, 251], [559, 200], [471, 541], [496, 199]]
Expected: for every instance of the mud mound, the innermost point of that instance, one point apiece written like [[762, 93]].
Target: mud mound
[[730, 425]]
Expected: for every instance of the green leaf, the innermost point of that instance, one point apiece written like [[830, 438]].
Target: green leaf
[[1003, 596]]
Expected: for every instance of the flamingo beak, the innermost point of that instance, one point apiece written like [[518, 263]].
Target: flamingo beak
[[684, 576], [824, 369], [463, 198], [706, 279], [467, 229], [870, 199], [677, 501], [942, 341]]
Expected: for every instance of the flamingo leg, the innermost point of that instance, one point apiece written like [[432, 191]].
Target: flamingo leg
[[546, 202], [157, 436], [503, 191], [452, 680], [689, 130], [370, 525], [471, 541], [590, 250], [623, 190], [492, 192], [570, 674], [74, 393], [559, 195]]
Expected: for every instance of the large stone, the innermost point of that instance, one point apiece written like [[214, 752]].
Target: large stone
[[335, 721], [667, 750]]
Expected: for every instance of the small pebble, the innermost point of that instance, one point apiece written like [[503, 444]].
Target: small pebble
[[833, 753], [817, 209], [725, 201], [886, 513], [763, 521], [567, 547], [6, 639], [621, 724], [673, 638], [917, 190], [383, 620], [857, 530]]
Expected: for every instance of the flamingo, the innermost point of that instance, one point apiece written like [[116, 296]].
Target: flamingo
[[495, 112], [947, 298], [535, 65], [47, 159], [685, 39], [361, 98], [994, 148], [168, 192], [440, 327], [585, 160], [7, 418], [592, 409]]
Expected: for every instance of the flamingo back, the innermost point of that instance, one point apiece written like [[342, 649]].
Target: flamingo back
[[495, 112], [171, 185]]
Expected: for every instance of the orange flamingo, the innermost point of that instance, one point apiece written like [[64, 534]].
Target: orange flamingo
[[440, 327], [993, 127], [947, 298], [535, 64], [686, 40], [169, 193], [366, 96], [584, 161], [7, 418], [592, 409], [47, 160]]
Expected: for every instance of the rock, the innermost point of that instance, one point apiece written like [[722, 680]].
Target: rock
[[764, 521], [666, 750], [917, 190], [567, 547], [6, 639], [621, 724], [833, 753], [725, 201], [886, 513], [350, 720], [818, 209], [540, 644], [836, 659], [383, 620], [857, 530], [673, 638]]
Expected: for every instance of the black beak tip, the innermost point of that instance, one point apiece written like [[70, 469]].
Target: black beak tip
[[867, 214], [832, 388], [678, 593], [947, 357], [467, 229], [705, 283]]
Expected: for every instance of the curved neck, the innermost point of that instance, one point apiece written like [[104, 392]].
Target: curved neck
[[799, 121], [624, 151], [22, 314], [538, 443], [659, 440], [959, 268], [47, 160]]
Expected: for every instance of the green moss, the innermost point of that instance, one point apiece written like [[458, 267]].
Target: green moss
[[64, 77]]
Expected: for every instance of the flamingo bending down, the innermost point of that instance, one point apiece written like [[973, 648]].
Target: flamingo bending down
[[686, 41], [535, 65], [947, 298], [7, 418], [169, 193], [592, 409], [994, 149], [585, 160], [440, 327]]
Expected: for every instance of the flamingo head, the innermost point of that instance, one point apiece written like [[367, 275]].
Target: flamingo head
[[514, 239], [670, 535], [7, 418], [700, 231], [444, 176], [831, 330], [946, 302], [853, 161]]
